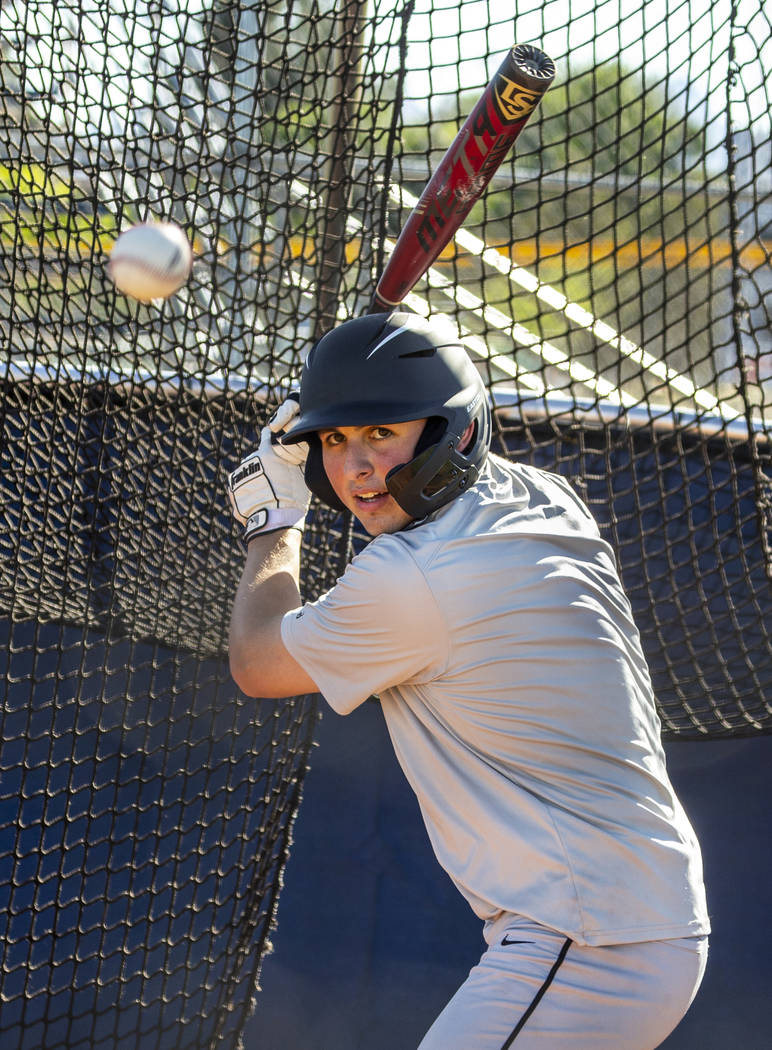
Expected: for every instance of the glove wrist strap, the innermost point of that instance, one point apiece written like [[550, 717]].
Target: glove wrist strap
[[271, 519]]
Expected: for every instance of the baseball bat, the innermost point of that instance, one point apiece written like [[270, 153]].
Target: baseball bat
[[459, 180]]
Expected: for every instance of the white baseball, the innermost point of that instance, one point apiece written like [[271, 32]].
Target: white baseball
[[150, 261]]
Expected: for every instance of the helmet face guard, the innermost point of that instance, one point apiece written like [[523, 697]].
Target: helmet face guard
[[391, 369]]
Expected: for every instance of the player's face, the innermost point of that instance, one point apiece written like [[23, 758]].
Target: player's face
[[357, 460]]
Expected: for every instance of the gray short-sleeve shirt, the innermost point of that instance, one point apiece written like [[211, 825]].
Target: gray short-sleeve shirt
[[518, 700]]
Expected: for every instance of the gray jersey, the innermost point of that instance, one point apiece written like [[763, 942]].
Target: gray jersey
[[520, 707]]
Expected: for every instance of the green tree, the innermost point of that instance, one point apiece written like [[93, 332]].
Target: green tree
[[603, 120], [608, 119]]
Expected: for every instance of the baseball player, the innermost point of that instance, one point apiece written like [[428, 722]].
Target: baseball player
[[488, 616]]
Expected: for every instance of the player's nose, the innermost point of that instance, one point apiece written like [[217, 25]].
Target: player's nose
[[358, 460]]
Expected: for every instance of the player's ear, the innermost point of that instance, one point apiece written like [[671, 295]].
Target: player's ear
[[466, 437], [434, 431]]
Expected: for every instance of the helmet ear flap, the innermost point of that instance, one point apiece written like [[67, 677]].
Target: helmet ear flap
[[433, 431], [316, 475]]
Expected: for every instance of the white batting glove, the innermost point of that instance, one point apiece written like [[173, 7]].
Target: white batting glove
[[281, 423], [267, 490]]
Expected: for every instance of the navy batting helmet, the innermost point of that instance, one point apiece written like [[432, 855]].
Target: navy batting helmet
[[390, 369]]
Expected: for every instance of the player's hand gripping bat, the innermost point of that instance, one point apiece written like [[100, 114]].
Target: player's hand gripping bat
[[466, 169]]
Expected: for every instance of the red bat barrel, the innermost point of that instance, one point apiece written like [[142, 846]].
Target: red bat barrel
[[466, 169]]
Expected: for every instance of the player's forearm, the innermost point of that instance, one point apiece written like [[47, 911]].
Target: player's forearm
[[267, 590]]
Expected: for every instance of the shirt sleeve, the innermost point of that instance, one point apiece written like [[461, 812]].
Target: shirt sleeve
[[379, 626]]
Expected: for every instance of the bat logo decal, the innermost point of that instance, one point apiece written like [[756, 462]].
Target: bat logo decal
[[514, 102]]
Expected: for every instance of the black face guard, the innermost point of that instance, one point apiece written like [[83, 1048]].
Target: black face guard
[[433, 477]]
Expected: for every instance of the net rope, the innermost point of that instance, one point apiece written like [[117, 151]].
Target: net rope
[[613, 286]]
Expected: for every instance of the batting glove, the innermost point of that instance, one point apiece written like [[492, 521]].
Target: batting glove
[[267, 490]]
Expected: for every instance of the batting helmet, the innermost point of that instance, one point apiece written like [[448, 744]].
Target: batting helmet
[[391, 369]]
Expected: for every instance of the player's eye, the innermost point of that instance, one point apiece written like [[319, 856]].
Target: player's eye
[[380, 433], [332, 437]]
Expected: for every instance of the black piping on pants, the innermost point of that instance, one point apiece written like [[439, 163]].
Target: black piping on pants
[[537, 998]]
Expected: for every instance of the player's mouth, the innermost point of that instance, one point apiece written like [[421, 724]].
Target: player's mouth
[[371, 500]]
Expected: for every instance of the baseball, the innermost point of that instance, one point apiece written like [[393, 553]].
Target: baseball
[[150, 261]]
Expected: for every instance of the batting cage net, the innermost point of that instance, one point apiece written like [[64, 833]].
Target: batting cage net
[[613, 285]]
